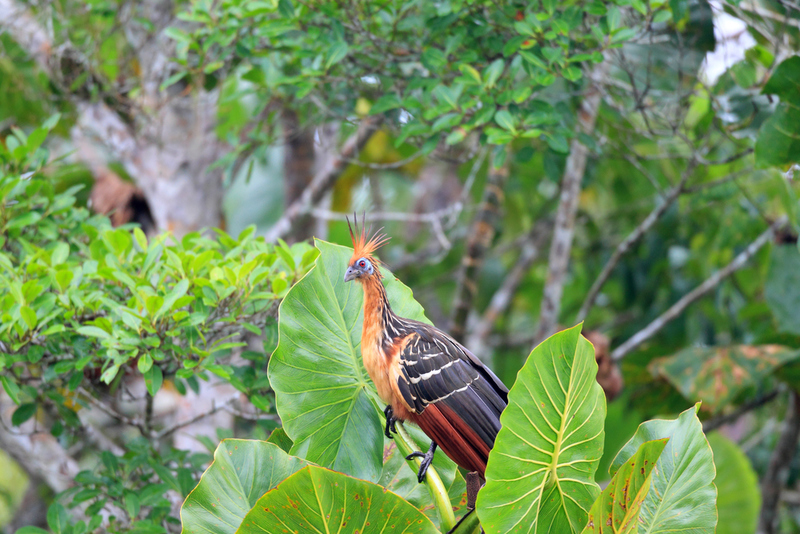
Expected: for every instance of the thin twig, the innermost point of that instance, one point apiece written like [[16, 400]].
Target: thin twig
[[716, 422], [710, 283], [778, 469], [322, 182], [502, 298], [561, 245], [629, 241], [135, 422]]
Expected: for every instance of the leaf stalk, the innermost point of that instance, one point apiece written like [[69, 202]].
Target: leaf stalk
[[405, 444]]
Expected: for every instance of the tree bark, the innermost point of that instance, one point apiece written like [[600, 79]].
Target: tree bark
[[778, 468], [480, 238], [298, 168], [561, 244], [169, 142]]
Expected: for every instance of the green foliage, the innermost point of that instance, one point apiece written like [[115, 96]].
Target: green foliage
[[782, 289], [85, 305], [439, 71], [617, 509], [541, 470], [241, 473], [683, 495], [717, 375], [779, 138], [738, 491], [321, 500]]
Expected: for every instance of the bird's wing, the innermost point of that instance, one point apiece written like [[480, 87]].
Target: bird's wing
[[457, 400]]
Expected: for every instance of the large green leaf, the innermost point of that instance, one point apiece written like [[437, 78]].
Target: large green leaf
[[682, 496], [540, 475], [319, 500], [617, 509], [242, 471], [716, 375], [739, 495], [778, 141], [399, 478], [325, 399], [782, 289]]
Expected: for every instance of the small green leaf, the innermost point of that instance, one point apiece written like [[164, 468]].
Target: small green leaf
[[93, 331], [11, 387], [385, 103], [468, 70], [132, 505], [336, 53], [145, 363], [505, 120], [109, 374], [492, 73], [23, 413], [29, 316], [153, 379]]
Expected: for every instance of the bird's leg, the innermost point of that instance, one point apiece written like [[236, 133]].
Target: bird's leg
[[427, 458], [391, 421]]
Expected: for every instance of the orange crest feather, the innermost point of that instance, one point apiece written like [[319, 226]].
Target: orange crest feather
[[363, 247]]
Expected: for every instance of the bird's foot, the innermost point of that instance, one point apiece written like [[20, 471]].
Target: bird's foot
[[427, 458], [391, 422]]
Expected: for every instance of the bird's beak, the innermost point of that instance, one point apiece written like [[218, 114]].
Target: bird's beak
[[350, 274]]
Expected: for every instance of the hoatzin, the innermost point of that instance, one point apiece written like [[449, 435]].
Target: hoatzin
[[423, 374]]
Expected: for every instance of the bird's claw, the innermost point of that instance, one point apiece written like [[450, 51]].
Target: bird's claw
[[391, 422], [427, 458]]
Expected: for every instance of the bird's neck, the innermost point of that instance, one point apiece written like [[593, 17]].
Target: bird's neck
[[377, 313]]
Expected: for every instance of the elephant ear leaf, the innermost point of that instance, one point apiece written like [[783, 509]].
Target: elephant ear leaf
[[540, 473], [617, 509], [323, 394], [683, 496], [315, 499], [241, 472]]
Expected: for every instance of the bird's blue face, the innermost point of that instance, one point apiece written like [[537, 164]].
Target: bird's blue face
[[359, 269]]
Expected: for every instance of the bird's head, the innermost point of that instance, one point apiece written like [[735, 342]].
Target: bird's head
[[363, 266]]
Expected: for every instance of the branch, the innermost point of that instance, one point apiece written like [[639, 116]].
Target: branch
[[629, 241], [568, 207], [20, 24], [43, 458], [778, 468], [716, 422], [331, 169], [480, 237], [502, 298], [710, 283]]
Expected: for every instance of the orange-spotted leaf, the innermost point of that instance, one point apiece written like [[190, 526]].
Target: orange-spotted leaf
[[716, 375], [315, 499], [617, 509]]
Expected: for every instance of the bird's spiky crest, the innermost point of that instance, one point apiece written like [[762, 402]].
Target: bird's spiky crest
[[363, 247]]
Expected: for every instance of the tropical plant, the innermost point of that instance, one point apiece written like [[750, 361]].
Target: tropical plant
[[333, 469]]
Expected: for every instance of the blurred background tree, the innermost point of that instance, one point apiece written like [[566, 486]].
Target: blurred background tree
[[628, 164]]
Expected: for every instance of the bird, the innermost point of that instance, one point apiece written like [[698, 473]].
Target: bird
[[422, 374]]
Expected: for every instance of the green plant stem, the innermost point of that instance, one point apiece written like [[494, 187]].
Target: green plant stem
[[405, 444], [468, 525]]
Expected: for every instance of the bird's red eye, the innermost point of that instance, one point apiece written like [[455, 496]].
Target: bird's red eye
[[362, 264]]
